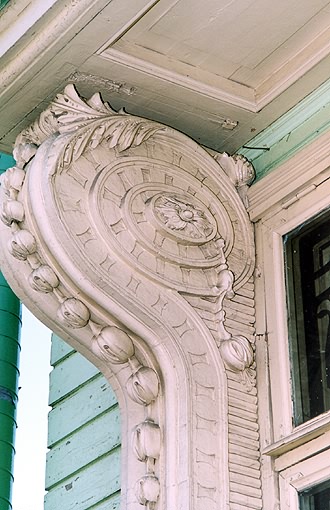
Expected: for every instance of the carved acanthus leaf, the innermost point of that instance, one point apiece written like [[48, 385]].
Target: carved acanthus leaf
[[92, 121], [27, 142], [239, 170]]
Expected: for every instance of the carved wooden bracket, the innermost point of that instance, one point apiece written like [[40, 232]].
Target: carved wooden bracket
[[132, 243]]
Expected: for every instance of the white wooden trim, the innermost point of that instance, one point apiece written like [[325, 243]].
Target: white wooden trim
[[301, 435], [223, 91], [305, 474]]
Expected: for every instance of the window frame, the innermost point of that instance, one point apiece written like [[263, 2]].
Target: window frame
[[292, 194], [272, 231]]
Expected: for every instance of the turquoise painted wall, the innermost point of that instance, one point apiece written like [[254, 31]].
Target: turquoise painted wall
[[83, 463]]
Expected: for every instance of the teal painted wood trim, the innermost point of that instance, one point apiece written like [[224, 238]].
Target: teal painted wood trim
[[83, 447], [291, 132], [87, 487], [74, 412], [6, 161], [59, 350], [69, 375]]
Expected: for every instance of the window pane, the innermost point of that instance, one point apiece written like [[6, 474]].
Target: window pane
[[307, 265], [316, 498]]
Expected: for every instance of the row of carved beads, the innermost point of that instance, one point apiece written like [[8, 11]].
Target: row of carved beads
[[115, 346], [109, 343], [22, 244]]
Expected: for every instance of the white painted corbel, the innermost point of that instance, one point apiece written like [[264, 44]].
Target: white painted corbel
[[130, 242]]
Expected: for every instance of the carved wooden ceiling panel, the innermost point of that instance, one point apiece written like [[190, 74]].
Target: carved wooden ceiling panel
[[217, 71]]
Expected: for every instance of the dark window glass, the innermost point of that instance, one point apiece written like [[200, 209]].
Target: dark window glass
[[307, 267], [316, 498]]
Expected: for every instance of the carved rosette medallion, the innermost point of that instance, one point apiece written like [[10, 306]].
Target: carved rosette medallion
[[189, 222], [163, 224]]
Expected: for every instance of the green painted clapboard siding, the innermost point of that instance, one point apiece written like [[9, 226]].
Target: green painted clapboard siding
[[73, 412], [83, 464], [87, 487], [69, 375], [112, 503], [75, 451], [59, 350], [298, 127]]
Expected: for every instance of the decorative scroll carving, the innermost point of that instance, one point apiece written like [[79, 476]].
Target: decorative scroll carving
[[144, 256]]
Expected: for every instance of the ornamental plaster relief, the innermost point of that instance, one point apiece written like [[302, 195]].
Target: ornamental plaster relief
[[134, 244]]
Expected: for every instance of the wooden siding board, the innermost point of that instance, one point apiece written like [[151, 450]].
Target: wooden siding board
[[78, 409], [87, 487], [112, 503], [83, 447], [59, 350], [69, 375], [83, 464]]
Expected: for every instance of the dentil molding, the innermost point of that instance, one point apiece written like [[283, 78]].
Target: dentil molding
[[134, 245]]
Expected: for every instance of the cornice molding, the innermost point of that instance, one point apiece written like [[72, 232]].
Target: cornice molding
[[303, 172], [243, 98], [54, 29]]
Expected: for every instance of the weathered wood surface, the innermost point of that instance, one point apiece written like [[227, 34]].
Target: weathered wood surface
[[83, 463], [59, 350], [87, 487], [83, 446], [69, 375]]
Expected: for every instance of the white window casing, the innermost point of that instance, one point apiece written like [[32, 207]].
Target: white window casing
[[289, 196]]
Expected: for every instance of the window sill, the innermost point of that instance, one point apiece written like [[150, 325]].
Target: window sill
[[301, 435]]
